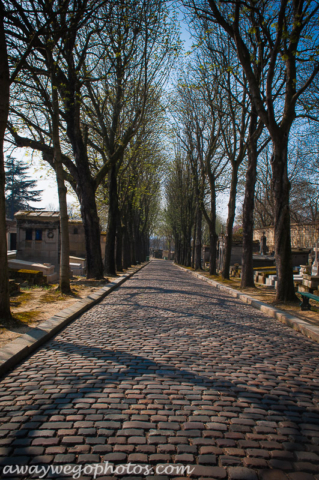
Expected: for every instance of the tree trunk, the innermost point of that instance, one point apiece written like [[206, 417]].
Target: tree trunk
[[177, 248], [281, 187], [132, 239], [86, 194], [4, 109], [142, 248], [133, 255], [230, 220], [212, 229], [247, 270], [110, 266], [194, 242], [188, 248], [85, 183], [135, 241], [212, 252], [119, 251], [64, 224], [91, 226], [198, 240], [64, 228], [126, 249], [138, 244], [148, 245], [119, 247]]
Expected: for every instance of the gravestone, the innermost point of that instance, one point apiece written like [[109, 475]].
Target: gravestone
[[263, 244], [315, 265], [221, 252]]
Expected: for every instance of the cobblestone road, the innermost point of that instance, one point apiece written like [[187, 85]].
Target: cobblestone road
[[167, 370]]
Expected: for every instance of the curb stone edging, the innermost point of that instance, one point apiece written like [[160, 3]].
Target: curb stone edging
[[291, 321], [17, 350]]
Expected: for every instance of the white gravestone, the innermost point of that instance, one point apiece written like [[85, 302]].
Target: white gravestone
[[315, 265]]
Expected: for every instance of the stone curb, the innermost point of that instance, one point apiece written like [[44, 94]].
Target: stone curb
[[296, 323], [21, 347]]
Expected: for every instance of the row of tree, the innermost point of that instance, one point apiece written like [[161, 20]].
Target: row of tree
[[253, 77], [82, 85]]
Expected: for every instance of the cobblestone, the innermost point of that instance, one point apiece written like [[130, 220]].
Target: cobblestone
[[167, 370]]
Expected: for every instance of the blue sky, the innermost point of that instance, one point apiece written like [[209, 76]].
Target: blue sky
[[45, 175]]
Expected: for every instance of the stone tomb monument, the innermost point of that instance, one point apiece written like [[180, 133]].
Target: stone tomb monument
[[38, 236], [38, 239], [263, 244], [315, 265], [310, 281]]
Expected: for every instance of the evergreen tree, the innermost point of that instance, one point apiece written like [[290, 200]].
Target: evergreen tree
[[19, 189]]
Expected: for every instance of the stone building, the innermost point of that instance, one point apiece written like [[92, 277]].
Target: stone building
[[38, 237], [302, 235], [11, 232]]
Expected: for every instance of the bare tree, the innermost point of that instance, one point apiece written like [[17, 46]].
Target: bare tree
[[4, 110], [303, 178], [180, 206], [199, 118], [141, 45], [31, 120], [289, 58], [8, 73]]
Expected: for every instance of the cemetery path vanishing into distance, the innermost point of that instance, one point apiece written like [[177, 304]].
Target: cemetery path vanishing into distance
[[166, 371]]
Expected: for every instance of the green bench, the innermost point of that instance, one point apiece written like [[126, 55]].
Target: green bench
[[305, 305]]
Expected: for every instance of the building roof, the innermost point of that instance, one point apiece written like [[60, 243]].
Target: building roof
[[9, 221], [43, 215], [75, 221], [37, 213], [294, 224]]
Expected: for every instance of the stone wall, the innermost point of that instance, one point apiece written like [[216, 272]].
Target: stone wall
[[302, 235], [38, 237], [11, 233], [76, 238]]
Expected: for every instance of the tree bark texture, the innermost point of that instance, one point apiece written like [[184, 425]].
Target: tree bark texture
[[64, 228], [194, 243], [4, 109], [281, 187], [132, 242], [119, 247], [110, 263], [126, 249], [230, 220], [64, 280], [212, 230], [91, 226], [198, 240], [137, 244], [85, 183], [212, 252], [247, 271]]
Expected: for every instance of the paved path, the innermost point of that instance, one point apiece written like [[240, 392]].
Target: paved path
[[167, 370]]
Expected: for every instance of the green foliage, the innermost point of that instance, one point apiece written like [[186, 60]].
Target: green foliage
[[19, 189]]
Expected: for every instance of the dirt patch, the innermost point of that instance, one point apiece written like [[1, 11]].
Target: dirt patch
[[268, 295], [36, 304]]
